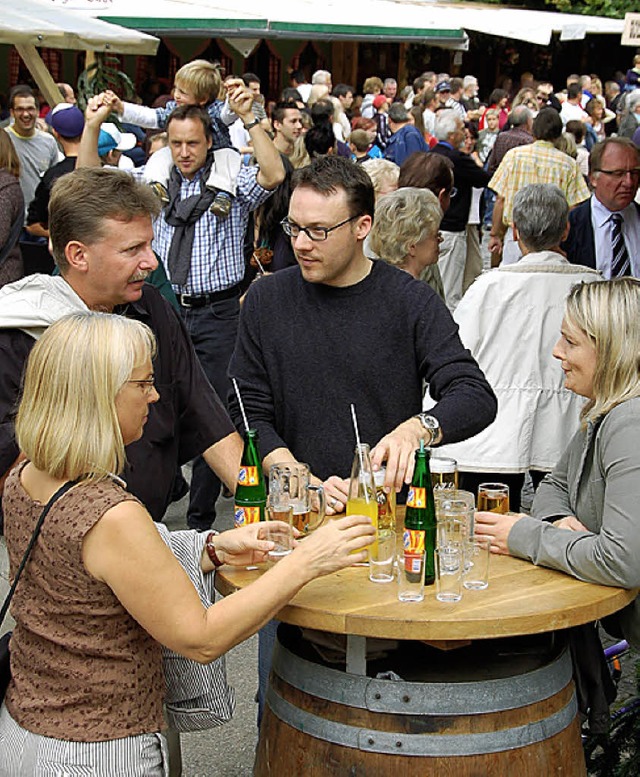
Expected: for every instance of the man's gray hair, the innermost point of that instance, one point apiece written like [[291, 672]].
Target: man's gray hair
[[469, 81], [321, 77], [633, 100], [398, 114], [520, 115], [447, 122], [540, 213], [390, 82]]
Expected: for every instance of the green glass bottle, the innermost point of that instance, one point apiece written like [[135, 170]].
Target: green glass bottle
[[420, 517], [251, 492]]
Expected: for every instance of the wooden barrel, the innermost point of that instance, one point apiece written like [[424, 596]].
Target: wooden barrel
[[512, 715]]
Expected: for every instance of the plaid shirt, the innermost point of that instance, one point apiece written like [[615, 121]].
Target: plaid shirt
[[217, 258], [539, 162]]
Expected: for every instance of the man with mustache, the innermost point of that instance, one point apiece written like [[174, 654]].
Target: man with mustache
[[100, 224]]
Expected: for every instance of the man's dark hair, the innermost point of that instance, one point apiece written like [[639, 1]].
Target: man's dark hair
[[577, 129], [427, 171], [319, 140], [595, 157], [342, 90], [291, 95], [573, 91], [299, 76], [419, 82], [251, 78], [281, 108], [183, 112], [547, 125], [330, 174], [322, 112], [456, 85], [21, 90]]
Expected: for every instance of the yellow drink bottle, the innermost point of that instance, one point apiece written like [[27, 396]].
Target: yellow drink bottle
[[362, 489]]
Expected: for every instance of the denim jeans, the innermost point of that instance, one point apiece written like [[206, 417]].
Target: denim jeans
[[213, 329]]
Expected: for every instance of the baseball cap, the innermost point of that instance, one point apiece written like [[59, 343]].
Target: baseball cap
[[66, 119], [110, 137], [443, 86], [379, 100]]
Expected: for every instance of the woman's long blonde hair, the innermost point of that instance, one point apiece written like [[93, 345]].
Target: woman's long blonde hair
[[608, 312], [67, 423]]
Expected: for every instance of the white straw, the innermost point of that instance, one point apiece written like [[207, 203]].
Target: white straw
[[355, 424], [244, 415]]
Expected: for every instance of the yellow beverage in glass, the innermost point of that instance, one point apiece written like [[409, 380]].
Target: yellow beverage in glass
[[363, 507]]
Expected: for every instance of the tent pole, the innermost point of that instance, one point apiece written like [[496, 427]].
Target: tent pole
[[41, 75]]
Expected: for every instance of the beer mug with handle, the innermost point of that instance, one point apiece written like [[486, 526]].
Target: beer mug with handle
[[290, 485]]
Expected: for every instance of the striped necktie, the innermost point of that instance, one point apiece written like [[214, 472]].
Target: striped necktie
[[620, 263]]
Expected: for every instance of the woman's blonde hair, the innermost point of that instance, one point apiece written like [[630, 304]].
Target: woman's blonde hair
[[67, 423], [608, 312], [404, 218]]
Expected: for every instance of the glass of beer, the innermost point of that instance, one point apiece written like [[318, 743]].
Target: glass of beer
[[493, 498], [444, 473], [290, 487]]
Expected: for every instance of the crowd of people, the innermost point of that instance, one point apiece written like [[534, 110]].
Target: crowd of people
[[324, 251]]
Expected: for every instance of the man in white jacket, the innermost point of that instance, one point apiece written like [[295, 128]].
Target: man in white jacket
[[510, 320]]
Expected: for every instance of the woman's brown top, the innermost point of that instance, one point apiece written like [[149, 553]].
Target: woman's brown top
[[82, 668]]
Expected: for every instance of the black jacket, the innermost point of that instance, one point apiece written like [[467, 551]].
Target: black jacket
[[466, 175]]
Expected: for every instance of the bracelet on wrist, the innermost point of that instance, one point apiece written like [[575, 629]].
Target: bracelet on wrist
[[211, 550]]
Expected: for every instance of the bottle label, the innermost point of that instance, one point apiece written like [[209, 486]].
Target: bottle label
[[244, 515], [413, 541], [417, 497], [248, 476]]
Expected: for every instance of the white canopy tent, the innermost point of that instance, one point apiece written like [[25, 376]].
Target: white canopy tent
[[442, 23], [50, 24], [32, 23]]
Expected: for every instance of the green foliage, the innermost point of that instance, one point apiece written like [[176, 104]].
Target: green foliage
[[104, 74], [613, 8]]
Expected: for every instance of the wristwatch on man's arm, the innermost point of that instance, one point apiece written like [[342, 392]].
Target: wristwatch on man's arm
[[431, 425]]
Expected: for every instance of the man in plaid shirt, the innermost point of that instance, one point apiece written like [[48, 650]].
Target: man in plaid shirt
[[538, 162], [204, 255]]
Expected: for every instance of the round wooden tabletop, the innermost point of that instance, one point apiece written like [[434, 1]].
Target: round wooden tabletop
[[521, 599]]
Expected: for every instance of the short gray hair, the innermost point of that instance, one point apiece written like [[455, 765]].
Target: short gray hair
[[404, 218], [540, 213], [321, 77], [633, 100], [390, 82], [520, 115], [468, 81], [447, 122]]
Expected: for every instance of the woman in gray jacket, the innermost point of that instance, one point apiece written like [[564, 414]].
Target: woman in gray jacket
[[586, 513]]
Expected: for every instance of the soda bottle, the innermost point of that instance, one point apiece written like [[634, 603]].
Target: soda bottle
[[386, 502], [251, 492], [420, 517], [362, 488]]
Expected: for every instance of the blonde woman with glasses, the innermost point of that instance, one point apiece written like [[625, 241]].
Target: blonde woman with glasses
[[102, 592]]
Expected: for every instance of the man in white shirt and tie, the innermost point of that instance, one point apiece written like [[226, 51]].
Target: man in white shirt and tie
[[605, 230]]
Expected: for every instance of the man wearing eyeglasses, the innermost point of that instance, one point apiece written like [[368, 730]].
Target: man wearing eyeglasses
[[341, 329], [605, 229]]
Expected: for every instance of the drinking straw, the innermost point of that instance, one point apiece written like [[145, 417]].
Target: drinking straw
[[355, 423], [244, 415], [259, 263]]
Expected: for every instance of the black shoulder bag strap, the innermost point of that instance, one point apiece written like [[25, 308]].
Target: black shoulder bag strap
[[62, 490]]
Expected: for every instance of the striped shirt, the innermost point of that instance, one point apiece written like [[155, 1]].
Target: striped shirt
[[217, 258], [539, 162]]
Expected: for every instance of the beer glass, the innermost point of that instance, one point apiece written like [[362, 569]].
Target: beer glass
[[493, 498], [290, 486], [444, 473]]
